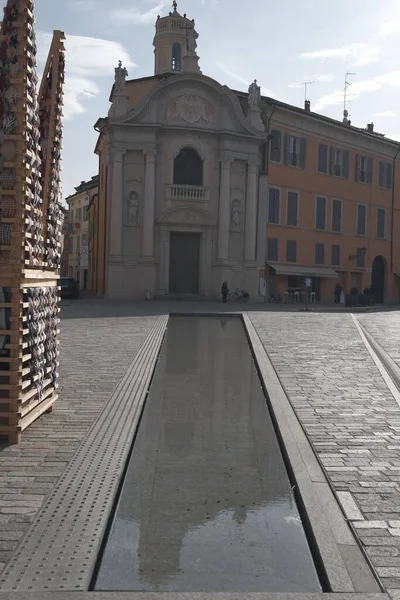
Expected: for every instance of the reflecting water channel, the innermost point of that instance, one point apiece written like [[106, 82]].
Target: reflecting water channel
[[207, 503]]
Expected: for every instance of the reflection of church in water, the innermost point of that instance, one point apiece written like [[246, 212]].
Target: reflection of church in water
[[180, 177]]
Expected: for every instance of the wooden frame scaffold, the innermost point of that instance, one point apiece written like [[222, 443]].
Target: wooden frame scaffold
[[30, 221]]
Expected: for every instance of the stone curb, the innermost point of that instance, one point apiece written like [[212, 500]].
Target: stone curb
[[185, 596]]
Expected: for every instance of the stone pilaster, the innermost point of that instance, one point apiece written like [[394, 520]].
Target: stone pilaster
[[224, 208], [149, 204], [251, 211], [116, 202]]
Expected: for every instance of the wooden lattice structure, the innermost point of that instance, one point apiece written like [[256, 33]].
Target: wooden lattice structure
[[30, 244]]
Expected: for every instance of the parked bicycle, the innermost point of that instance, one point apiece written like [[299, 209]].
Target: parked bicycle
[[239, 296]]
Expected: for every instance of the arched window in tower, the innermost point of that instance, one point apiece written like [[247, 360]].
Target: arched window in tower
[[176, 56], [188, 167]]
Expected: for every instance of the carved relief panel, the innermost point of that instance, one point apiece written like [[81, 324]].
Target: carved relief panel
[[190, 108]]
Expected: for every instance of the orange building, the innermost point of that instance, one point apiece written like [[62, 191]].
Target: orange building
[[333, 208]]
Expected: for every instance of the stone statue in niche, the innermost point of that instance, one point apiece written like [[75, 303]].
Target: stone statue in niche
[[132, 211], [254, 94], [236, 216], [120, 77]]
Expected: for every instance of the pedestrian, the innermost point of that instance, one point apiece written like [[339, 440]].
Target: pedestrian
[[337, 292], [224, 291]]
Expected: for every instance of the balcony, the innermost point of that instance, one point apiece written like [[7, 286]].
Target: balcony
[[187, 193]]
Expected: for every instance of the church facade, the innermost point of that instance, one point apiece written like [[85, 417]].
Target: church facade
[[181, 174]]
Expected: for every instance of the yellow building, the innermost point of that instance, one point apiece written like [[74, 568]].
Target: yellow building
[[78, 220]]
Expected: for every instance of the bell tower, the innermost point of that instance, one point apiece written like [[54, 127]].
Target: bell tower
[[175, 44]]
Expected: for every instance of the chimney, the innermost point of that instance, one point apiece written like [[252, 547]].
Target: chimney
[[307, 105], [370, 127]]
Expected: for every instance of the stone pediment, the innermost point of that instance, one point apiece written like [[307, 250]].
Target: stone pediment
[[194, 101], [186, 216], [191, 109]]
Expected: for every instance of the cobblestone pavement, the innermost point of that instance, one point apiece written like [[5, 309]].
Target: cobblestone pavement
[[351, 419], [95, 353]]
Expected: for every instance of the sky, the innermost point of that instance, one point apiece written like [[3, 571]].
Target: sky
[[281, 44]]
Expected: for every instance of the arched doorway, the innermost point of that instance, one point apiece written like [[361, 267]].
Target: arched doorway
[[378, 279]]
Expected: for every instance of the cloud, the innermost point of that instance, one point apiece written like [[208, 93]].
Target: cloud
[[386, 114], [87, 60], [82, 5], [354, 54], [133, 16], [389, 28], [265, 91], [392, 78]]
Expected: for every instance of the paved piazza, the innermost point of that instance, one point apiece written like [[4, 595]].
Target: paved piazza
[[343, 403]]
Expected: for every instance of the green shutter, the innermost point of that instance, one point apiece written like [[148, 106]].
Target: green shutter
[[369, 170], [388, 176], [303, 153], [332, 161], [345, 154], [381, 178], [276, 145], [357, 171], [287, 148]]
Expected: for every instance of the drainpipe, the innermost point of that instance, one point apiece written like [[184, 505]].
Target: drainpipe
[[269, 138], [392, 219]]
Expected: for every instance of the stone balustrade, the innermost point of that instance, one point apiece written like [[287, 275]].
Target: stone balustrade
[[192, 193]]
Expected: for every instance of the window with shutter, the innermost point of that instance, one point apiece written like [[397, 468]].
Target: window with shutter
[[319, 254], [380, 223], [381, 179], [335, 255], [291, 251], [274, 206], [388, 176], [363, 169], [320, 213], [345, 163], [360, 258], [295, 151], [303, 153], [369, 170], [272, 249], [292, 208], [336, 215], [275, 146], [361, 219], [322, 158]]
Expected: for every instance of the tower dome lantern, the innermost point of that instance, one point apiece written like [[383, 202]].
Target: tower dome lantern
[[175, 44]]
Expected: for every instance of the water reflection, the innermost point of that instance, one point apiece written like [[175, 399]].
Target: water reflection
[[207, 504]]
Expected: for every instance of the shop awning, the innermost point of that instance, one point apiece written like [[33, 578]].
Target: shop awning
[[304, 271]]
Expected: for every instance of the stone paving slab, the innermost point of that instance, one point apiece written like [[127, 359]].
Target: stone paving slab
[[95, 353], [351, 418]]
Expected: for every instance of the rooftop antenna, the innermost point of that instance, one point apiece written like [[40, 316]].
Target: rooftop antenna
[[306, 83], [347, 84]]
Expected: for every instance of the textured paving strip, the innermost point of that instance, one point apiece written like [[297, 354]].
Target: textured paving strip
[[63, 556], [95, 353], [351, 419]]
